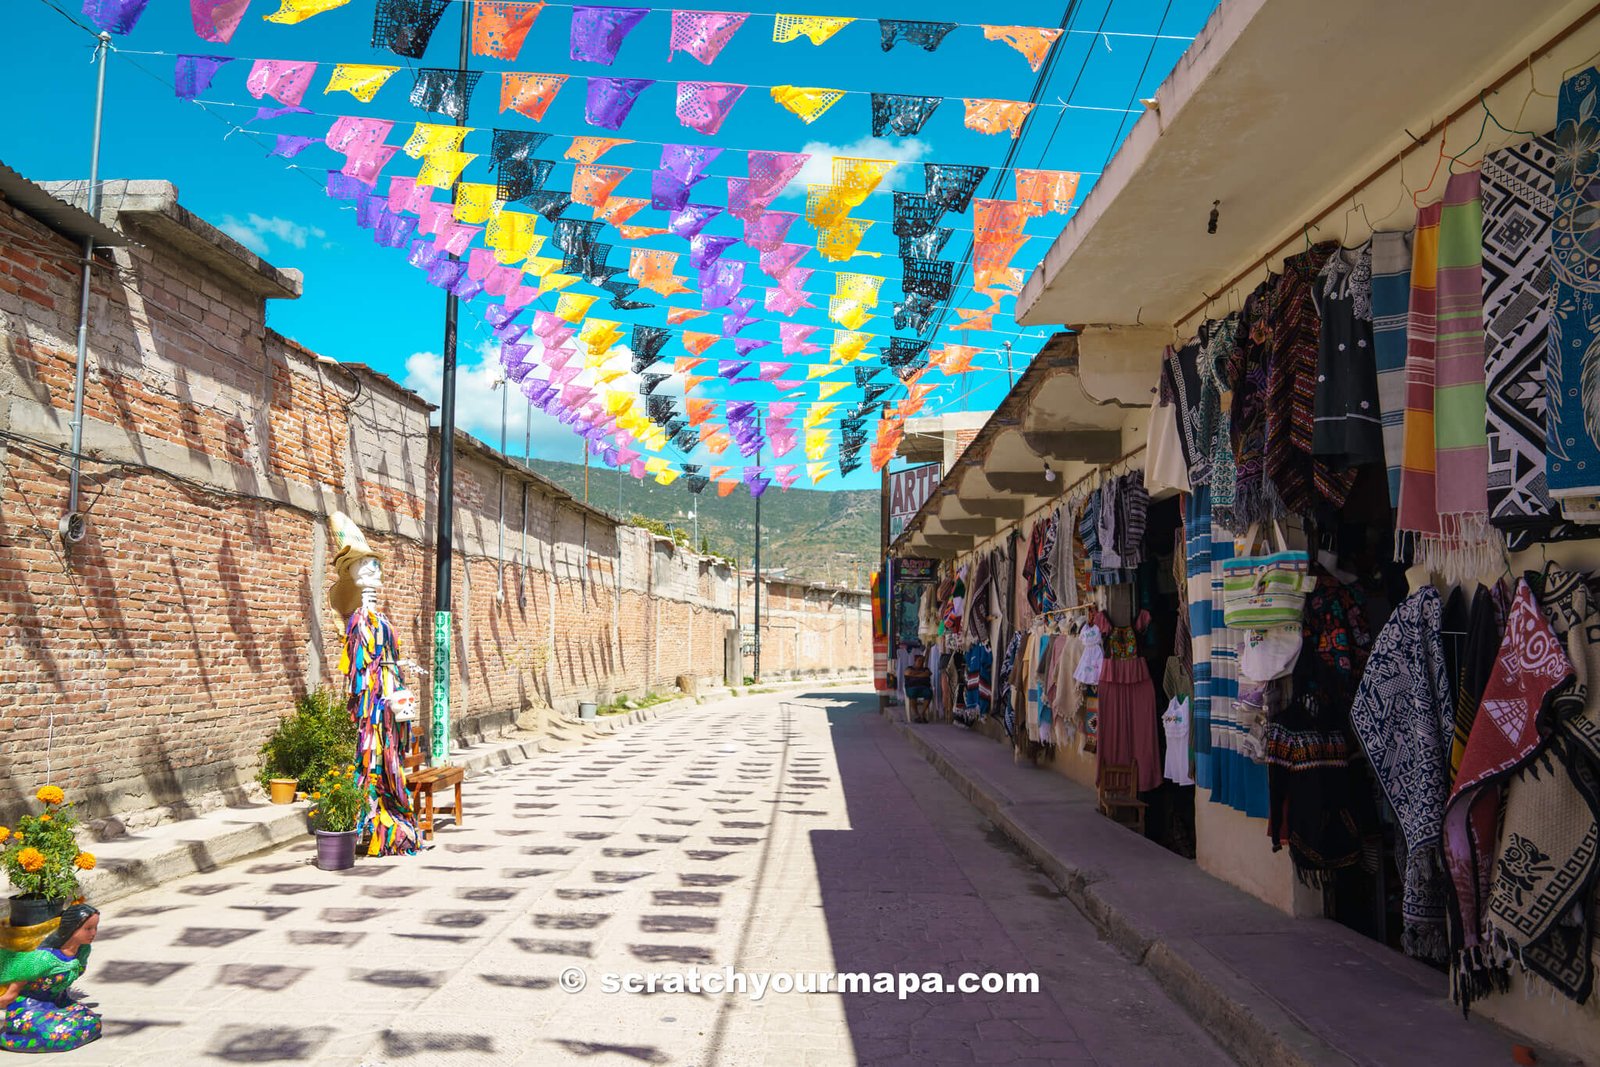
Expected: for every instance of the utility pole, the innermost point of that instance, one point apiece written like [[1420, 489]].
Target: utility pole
[[444, 539], [504, 385], [1010, 375], [756, 668]]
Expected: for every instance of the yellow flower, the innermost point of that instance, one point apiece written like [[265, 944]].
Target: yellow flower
[[5, 834], [313, 811], [84, 861], [317, 795], [50, 794], [30, 859], [44, 818]]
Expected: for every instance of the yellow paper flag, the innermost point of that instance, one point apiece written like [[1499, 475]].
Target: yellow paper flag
[[855, 178], [599, 335], [554, 283], [851, 314], [617, 401], [862, 287], [848, 346], [360, 80], [827, 389], [818, 471], [606, 377], [511, 236], [429, 138], [820, 370], [475, 202], [808, 103], [574, 306], [817, 413], [817, 443], [541, 266], [441, 169], [825, 207], [292, 11], [818, 28], [842, 242]]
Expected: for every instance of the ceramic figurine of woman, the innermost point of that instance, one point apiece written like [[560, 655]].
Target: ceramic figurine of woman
[[35, 989]]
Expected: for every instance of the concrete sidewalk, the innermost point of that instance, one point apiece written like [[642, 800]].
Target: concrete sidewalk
[[147, 857], [1271, 989]]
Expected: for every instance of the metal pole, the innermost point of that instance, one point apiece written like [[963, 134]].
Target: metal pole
[[586, 470], [72, 522], [500, 534], [439, 747], [755, 671], [1010, 376], [527, 438]]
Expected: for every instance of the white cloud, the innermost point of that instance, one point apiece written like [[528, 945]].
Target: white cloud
[[254, 230], [904, 151]]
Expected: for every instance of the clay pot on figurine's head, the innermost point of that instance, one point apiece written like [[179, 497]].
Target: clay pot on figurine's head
[[403, 703], [355, 565]]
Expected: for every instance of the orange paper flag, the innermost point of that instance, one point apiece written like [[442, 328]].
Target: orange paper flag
[[1032, 41], [500, 26], [592, 184], [973, 319], [653, 269], [639, 233], [697, 343], [957, 359], [717, 443], [694, 381], [685, 364], [589, 149], [619, 209], [529, 94], [679, 316], [717, 472], [726, 485], [997, 116], [699, 410], [1047, 190]]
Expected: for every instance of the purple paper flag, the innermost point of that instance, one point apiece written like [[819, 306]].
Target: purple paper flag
[[746, 345], [216, 20], [688, 163], [793, 335], [192, 75], [756, 484], [692, 219], [703, 106], [265, 113], [499, 315], [423, 255], [667, 193], [732, 324], [610, 99], [703, 33], [369, 208], [731, 368], [720, 283], [706, 249], [597, 32], [767, 232], [114, 16], [446, 272], [285, 80], [395, 231], [739, 410], [511, 332], [289, 145]]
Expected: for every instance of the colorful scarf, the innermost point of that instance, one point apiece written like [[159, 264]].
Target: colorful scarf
[[1253, 497], [1215, 365], [1401, 716], [1504, 738], [1391, 296], [1549, 848], [1572, 442], [1418, 515], [1461, 460]]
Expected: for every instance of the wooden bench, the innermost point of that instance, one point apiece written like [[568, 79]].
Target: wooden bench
[[422, 782], [1119, 797]]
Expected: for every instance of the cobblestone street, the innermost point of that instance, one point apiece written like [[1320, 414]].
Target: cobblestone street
[[762, 833]]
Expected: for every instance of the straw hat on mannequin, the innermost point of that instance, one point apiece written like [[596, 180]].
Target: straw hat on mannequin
[[352, 572]]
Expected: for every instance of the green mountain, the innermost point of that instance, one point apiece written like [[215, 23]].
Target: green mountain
[[819, 536]]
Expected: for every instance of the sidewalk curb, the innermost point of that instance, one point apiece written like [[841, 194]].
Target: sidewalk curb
[[197, 846], [1250, 1027]]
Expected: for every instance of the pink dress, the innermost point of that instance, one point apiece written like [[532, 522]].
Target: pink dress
[[1128, 718]]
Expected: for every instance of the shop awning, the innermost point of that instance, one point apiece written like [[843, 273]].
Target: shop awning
[[1278, 107]]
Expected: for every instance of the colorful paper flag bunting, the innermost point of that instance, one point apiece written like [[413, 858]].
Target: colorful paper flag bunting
[[216, 20], [289, 13], [703, 34], [589, 149], [610, 99], [703, 106], [818, 28], [360, 80], [1032, 41], [529, 94], [499, 27], [807, 103], [997, 116], [597, 32]]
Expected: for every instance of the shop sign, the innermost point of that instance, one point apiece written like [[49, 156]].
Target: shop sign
[[914, 569], [908, 491]]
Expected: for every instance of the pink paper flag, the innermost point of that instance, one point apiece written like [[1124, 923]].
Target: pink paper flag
[[794, 336], [215, 20], [771, 371], [286, 81], [703, 106], [703, 34]]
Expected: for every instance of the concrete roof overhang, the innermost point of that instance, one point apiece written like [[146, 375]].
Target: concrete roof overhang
[[1275, 110]]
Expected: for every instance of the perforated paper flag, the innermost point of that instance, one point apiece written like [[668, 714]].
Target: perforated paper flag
[[283, 80], [120, 16], [997, 116], [703, 106], [817, 28], [1032, 41], [444, 90], [441, 169], [597, 32], [901, 114], [793, 335], [290, 11], [925, 35], [807, 102], [592, 184], [216, 20], [679, 316], [848, 346], [529, 94], [429, 138], [499, 27], [589, 149], [405, 26], [1047, 190], [360, 80], [192, 75], [843, 241], [610, 99], [703, 34]]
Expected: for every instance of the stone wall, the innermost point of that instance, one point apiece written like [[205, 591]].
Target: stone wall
[[144, 665]]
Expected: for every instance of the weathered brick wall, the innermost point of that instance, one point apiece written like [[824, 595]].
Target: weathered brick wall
[[146, 664]]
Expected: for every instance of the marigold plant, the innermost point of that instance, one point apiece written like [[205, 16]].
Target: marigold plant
[[41, 856], [339, 803]]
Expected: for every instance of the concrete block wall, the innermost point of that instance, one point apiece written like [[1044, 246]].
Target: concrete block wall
[[145, 665]]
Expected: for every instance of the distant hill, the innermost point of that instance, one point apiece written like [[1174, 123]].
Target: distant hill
[[813, 534]]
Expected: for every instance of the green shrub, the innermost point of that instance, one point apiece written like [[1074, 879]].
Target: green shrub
[[318, 738]]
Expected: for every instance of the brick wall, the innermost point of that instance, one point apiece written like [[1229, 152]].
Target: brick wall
[[145, 664]]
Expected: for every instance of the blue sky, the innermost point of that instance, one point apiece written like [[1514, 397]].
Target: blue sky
[[363, 303]]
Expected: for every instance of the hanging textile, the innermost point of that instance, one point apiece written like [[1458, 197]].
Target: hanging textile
[[1418, 518], [597, 32], [1348, 424], [1032, 41], [1467, 543], [925, 35], [444, 91], [1221, 348], [808, 103], [216, 20], [817, 28], [529, 94], [1391, 302], [1572, 373], [499, 27], [360, 80], [901, 114], [610, 99], [703, 106], [1518, 206], [997, 116], [288, 13], [703, 34], [1402, 717], [404, 26], [1254, 498], [1505, 737]]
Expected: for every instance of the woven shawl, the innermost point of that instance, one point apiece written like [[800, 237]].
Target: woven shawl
[[1254, 499], [1401, 716], [1461, 455], [1572, 443], [1214, 367], [1475, 661], [1530, 665], [1391, 301], [1549, 847], [1418, 516]]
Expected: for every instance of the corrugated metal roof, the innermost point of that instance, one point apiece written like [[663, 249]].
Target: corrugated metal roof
[[56, 214]]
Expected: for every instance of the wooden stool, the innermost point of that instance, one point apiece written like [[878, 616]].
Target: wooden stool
[[1119, 798]]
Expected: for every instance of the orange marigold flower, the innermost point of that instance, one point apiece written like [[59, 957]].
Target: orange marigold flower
[[30, 860], [50, 794], [44, 818], [84, 861], [5, 834]]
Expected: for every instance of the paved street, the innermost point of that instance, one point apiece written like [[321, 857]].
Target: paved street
[[771, 833]]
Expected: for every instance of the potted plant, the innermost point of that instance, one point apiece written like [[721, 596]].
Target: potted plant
[[42, 859], [318, 737], [338, 806]]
